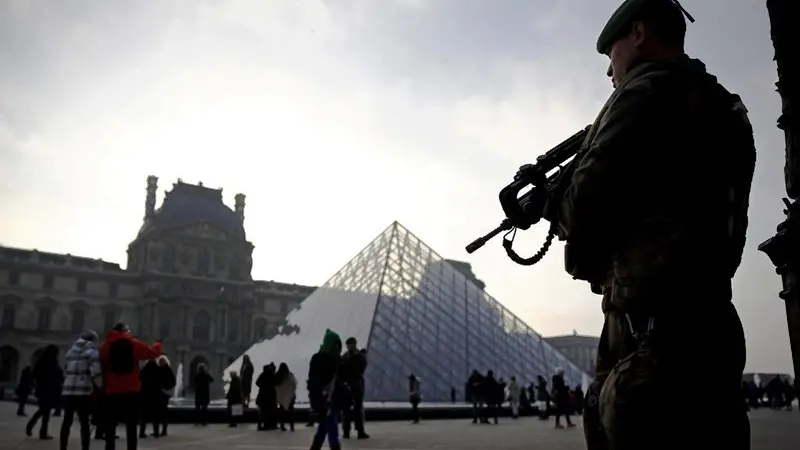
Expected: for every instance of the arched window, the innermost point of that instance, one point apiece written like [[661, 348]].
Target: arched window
[[203, 261], [194, 368], [78, 320], [43, 321], [9, 364], [201, 327], [260, 329]]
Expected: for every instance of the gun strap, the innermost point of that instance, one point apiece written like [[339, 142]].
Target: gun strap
[[514, 256]]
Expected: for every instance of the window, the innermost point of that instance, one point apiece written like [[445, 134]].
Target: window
[[223, 320], [48, 282], [78, 320], [43, 323], [9, 317], [260, 328], [13, 278], [203, 260], [163, 326], [109, 320], [113, 288], [81, 288], [201, 328], [168, 263]]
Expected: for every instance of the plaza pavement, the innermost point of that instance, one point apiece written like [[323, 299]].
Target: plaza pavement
[[772, 430]]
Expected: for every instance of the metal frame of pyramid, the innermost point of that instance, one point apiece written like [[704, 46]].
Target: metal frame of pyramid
[[414, 313]]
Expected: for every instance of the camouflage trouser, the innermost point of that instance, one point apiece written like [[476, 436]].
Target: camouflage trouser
[[696, 398]]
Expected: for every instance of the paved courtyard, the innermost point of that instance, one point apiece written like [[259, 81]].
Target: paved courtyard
[[772, 430]]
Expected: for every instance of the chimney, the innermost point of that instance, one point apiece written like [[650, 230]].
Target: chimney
[[150, 200], [239, 206]]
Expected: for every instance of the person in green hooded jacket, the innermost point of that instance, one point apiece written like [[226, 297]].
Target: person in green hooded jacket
[[322, 390]]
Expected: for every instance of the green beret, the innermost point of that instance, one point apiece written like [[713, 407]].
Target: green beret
[[622, 18]]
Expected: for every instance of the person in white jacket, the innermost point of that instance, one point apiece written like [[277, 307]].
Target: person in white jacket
[[82, 376], [513, 396]]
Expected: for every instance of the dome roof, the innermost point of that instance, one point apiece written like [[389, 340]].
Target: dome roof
[[186, 204]]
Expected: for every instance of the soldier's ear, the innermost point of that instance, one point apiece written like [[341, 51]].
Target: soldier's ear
[[638, 33]]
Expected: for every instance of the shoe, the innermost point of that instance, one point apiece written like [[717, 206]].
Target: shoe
[[570, 425], [362, 436], [316, 444], [559, 426], [336, 446], [345, 435], [45, 437], [29, 430]]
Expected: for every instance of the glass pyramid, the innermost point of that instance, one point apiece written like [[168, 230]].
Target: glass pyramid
[[414, 313]]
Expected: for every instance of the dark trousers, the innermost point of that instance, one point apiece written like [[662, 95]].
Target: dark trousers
[[354, 415], [415, 410], [477, 408], [328, 428], [122, 408], [22, 400], [286, 416], [707, 337], [43, 412], [201, 414], [82, 406]]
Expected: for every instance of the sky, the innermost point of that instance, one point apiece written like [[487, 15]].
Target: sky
[[337, 117]]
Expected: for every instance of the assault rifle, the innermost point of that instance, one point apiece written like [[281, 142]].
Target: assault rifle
[[524, 208]]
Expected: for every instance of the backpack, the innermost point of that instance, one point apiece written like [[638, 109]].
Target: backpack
[[120, 357]]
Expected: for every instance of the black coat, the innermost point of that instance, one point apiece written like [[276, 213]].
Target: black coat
[[202, 388]]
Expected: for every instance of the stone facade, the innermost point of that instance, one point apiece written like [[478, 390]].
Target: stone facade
[[582, 350], [187, 281]]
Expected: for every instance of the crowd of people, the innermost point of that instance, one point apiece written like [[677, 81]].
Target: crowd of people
[[101, 384], [779, 393], [488, 394]]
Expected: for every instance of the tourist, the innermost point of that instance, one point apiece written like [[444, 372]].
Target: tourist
[[48, 377], [119, 356], [81, 378], [354, 364], [285, 391], [493, 396], [561, 398], [246, 376], [414, 396], [235, 399], [167, 382], [266, 400], [23, 391], [513, 397], [149, 397], [325, 391], [475, 386], [202, 394]]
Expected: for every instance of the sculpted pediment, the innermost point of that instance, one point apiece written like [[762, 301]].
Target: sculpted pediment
[[204, 230]]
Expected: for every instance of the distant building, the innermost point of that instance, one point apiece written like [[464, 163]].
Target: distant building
[[187, 280], [465, 268], [582, 350]]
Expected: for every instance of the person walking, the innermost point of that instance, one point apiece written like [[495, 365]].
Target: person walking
[[285, 390], [82, 377], [48, 377]]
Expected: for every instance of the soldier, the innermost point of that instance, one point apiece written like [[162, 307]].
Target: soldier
[[655, 216]]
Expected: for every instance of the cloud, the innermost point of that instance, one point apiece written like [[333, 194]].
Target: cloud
[[335, 118]]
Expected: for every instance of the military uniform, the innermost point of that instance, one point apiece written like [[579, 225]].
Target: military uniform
[[656, 214]]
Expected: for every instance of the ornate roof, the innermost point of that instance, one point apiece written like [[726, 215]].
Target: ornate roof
[[186, 204]]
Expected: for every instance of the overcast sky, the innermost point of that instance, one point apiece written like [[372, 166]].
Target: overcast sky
[[336, 118]]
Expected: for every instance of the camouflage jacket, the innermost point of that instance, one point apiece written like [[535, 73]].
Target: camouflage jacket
[[661, 188]]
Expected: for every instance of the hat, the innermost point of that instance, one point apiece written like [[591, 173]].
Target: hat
[[626, 14], [89, 335]]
